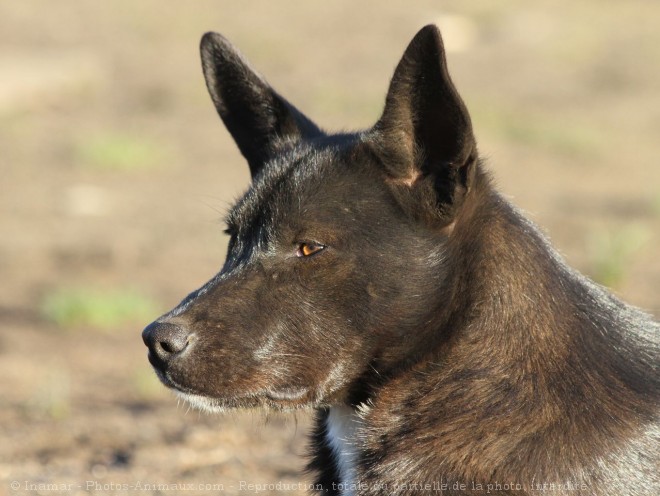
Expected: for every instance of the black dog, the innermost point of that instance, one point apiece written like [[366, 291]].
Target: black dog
[[378, 278]]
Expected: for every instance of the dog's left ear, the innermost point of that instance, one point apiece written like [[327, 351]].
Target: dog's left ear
[[260, 121], [424, 137]]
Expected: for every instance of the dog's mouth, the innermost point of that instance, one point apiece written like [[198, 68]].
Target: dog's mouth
[[216, 405], [287, 394], [284, 400], [281, 398]]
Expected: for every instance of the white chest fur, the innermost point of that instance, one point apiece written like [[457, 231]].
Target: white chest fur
[[341, 426]]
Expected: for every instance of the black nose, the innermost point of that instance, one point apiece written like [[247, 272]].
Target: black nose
[[165, 341]]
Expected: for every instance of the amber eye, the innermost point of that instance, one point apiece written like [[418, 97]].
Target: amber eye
[[308, 249]]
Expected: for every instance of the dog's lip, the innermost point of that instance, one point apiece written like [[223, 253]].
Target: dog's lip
[[161, 369], [281, 396], [286, 394], [277, 395], [163, 376], [288, 400], [155, 363]]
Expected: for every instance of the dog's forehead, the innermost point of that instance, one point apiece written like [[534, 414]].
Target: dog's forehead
[[289, 178]]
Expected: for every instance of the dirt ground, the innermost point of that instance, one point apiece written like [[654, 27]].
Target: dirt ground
[[115, 172]]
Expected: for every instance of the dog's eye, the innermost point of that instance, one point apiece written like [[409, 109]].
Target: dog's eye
[[308, 249]]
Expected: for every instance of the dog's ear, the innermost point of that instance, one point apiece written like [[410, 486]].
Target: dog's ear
[[424, 137], [259, 119]]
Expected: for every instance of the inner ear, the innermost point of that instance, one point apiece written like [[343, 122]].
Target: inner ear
[[260, 120], [425, 130]]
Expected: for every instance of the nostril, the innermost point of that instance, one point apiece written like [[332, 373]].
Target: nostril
[[174, 346], [165, 340], [167, 347]]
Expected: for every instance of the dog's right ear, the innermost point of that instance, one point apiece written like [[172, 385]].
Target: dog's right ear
[[259, 119]]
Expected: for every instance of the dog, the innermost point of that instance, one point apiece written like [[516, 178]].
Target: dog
[[378, 278]]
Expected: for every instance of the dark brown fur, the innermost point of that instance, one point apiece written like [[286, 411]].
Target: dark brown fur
[[465, 356]]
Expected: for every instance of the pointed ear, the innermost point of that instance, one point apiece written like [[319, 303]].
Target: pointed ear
[[425, 135], [260, 121]]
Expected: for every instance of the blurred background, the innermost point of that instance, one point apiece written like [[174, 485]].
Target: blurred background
[[116, 171]]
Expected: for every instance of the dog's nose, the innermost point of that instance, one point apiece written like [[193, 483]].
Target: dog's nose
[[165, 340]]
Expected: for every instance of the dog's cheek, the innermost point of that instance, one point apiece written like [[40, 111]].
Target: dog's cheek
[[323, 318]]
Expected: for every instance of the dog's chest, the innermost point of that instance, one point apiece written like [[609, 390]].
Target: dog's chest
[[341, 435]]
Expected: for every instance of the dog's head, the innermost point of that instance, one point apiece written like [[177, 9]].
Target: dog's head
[[340, 250]]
